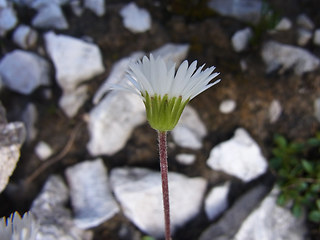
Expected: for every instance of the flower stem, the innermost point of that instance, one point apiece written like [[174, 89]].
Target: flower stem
[[162, 137]]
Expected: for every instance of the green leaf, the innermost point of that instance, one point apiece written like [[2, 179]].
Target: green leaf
[[318, 204], [297, 210], [313, 142], [314, 216], [280, 141], [307, 166], [315, 187], [147, 238], [282, 199]]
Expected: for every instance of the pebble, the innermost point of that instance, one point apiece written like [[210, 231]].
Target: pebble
[[216, 201], [186, 159], [91, 197], [25, 37], [245, 161], [43, 150], [34, 71], [227, 106], [304, 36], [96, 6], [275, 111], [30, 117], [190, 130], [240, 40], [271, 221], [284, 24], [316, 37], [50, 16], [304, 21], [136, 19], [139, 192], [8, 20], [284, 57]]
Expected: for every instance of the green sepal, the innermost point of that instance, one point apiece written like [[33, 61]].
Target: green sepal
[[163, 113]]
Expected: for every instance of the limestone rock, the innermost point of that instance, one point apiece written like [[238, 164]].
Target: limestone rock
[[185, 158], [25, 37], [50, 16], [227, 106], [8, 20], [43, 150], [97, 6], [284, 24], [240, 39]]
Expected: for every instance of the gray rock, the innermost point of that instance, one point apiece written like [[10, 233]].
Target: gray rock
[[275, 111], [50, 16], [244, 160], [25, 37], [30, 117], [241, 38], [185, 158], [97, 6], [243, 10], [33, 71], [54, 219], [12, 136], [190, 130], [316, 37], [8, 20], [284, 24], [139, 193], [217, 201], [227, 106], [135, 19], [75, 61], [270, 221], [43, 150], [304, 36], [91, 198], [304, 21], [229, 223], [283, 57]]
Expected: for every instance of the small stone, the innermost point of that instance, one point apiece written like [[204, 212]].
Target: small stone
[[227, 106], [135, 19], [70, 102], [240, 157], [304, 36], [97, 6], [76, 7], [275, 111], [8, 20], [316, 37], [190, 130], [25, 37], [284, 24], [271, 221], [91, 197], [317, 109], [243, 65], [304, 21], [30, 117], [43, 150], [50, 16], [186, 159], [217, 201], [240, 39], [139, 192], [33, 71], [284, 57]]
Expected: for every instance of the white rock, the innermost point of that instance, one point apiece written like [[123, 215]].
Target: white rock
[[37, 4], [97, 6], [8, 20], [43, 150], [54, 219], [190, 130], [284, 24], [91, 197], [75, 61], [76, 7], [70, 102], [139, 193], [240, 39], [277, 55], [172, 52], [112, 121], [185, 158], [135, 19], [3, 3], [270, 221], [316, 37], [304, 36], [50, 16], [29, 117], [275, 111], [217, 201], [227, 106], [240, 157], [304, 21], [33, 71], [25, 37]]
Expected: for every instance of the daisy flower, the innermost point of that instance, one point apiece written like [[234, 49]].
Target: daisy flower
[[165, 91]]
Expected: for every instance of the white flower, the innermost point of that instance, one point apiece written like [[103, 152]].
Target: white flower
[[17, 228], [165, 91]]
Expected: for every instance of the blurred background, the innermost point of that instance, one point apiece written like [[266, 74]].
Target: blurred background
[[244, 158]]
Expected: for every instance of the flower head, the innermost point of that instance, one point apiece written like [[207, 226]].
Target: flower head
[[165, 91]]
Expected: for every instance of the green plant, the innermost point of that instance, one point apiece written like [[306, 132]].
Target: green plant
[[297, 169]]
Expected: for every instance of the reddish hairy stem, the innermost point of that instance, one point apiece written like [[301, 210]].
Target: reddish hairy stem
[[162, 136]]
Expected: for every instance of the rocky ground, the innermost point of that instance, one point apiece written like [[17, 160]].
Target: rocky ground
[[91, 156]]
